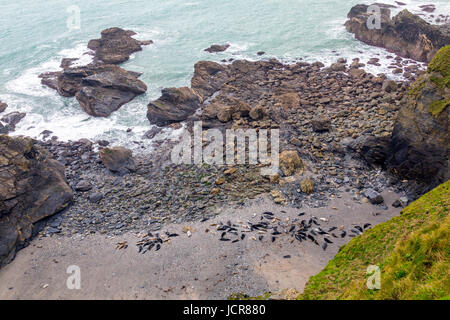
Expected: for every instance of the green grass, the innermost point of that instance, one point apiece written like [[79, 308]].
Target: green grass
[[436, 107], [412, 251]]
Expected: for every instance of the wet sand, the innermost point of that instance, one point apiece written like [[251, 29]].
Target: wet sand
[[196, 267]]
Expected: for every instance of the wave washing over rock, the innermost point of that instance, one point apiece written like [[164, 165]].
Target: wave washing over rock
[[360, 137]]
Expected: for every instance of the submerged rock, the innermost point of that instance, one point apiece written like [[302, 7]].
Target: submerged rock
[[406, 34], [217, 48], [32, 187]]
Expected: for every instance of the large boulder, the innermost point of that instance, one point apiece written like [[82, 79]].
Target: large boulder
[[421, 137], [115, 45], [32, 187], [105, 92], [175, 105], [118, 159], [406, 34]]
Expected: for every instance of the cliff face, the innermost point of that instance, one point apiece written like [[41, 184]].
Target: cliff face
[[421, 137], [406, 34], [32, 187]]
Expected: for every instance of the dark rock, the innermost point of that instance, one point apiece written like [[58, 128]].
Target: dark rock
[[175, 105], [13, 118], [397, 204], [373, 196], [115, 46], [103, 143], [321, 124], [374, 150], [208, 78], [406, 34], [95, 197], [260, 53], [32, 187], [83, 186], [118, 159], [3, 129], [101, 87], [217, 48], [150, 134]]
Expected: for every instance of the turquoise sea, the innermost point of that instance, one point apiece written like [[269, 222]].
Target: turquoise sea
[[35, 35]]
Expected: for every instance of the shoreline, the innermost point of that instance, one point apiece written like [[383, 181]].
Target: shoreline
[[181, 270]]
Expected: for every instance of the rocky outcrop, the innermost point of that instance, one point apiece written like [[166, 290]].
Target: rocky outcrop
[[101, 87], [217, 48], [406, 34], [32, 187], [115, 46], [175, 105], [421, 137]]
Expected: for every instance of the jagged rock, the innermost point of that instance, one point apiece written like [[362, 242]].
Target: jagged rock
[[217, 48], [101, 87], [406, 34], [32, 187], [290, 163], [3, 106], [13, 118], [115, 45], [101, 102], [118, 159], [208, 78], [421, 134], [175, 105]]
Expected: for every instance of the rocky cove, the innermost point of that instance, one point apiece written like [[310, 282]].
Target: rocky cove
[[348, 139]]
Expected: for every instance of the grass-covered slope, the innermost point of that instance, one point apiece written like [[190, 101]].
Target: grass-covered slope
[[412, 251]]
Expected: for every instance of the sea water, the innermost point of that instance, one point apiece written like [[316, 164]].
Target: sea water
[[36, 35]]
